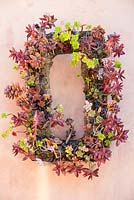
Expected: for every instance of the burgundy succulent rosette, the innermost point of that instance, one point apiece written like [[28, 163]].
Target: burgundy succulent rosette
[[103, 81]]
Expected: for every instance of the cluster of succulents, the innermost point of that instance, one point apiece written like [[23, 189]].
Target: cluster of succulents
[[103, 77]]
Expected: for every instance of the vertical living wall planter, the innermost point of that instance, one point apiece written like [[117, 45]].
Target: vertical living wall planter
[[103, 77]]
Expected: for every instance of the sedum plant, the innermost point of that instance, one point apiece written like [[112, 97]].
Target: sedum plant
[[103, 81]]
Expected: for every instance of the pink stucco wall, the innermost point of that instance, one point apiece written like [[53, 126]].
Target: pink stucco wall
[[26, 180]]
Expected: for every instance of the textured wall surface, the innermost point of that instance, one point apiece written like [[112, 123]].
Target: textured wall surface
[[26, 180]]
